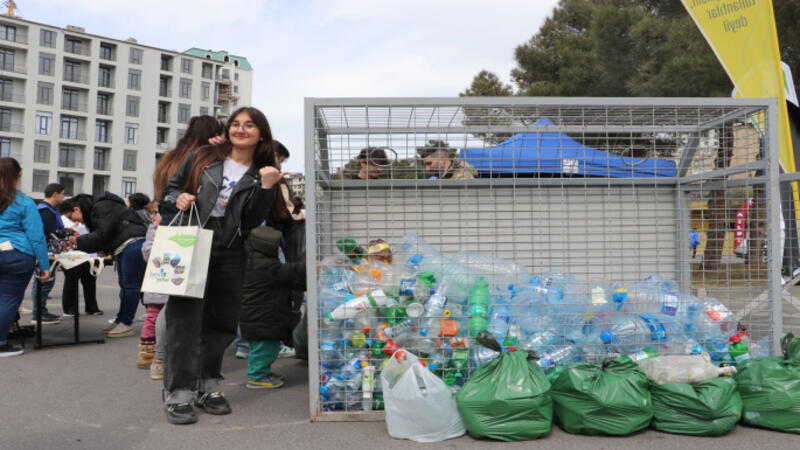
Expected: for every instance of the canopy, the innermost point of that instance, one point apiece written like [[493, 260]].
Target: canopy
[[557, 153]]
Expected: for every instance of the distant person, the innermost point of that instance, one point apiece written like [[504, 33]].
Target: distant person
[[51, 220], [440, 165], [22, 248], [153, 304], [72, 217], [694, 242], [371, 163], [117, 231]]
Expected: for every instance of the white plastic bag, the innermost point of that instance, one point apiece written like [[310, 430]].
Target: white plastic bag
[[419, 406], [686, 369]]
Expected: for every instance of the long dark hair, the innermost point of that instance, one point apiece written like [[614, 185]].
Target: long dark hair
[[198, 132], [263, 155], [9, 176]]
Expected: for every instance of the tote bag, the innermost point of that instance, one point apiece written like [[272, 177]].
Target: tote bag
[[178, 263]]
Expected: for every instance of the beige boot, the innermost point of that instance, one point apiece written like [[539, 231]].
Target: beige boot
[[157, 370], [147, 353]]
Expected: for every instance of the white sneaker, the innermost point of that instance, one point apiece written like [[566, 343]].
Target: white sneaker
[[241, 354], [286, 352], [121, 330]]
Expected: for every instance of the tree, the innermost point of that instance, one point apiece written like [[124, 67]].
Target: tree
[[487, 84]]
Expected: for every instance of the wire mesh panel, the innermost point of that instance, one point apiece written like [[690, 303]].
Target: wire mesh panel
[[579, 228]]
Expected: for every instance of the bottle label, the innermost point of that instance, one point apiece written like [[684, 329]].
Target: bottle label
[[407, 287], [657, 332], [670, 304], [714, 315], [599, 296]]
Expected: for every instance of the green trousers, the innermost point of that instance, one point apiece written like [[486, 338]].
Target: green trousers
[[259, 360]]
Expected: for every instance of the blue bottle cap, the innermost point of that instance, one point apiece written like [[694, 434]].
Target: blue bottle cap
[[432, 366], [340, 376], [323, 389], [423, 332], [415, 259], [691, 327], [607, 337]]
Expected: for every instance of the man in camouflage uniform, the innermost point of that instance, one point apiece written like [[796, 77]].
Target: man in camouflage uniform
[[440, 165]]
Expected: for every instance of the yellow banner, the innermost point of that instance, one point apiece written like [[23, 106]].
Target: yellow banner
[[743, 36]]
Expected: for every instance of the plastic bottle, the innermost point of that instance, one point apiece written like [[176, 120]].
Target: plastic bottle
[[643, 354], [481, 355], [352, 368], [329, 299], [434, 311], [349, 247], [716, 319], [561, 356], [491, 268], [629, 333], [367, 387], [498, 323], [738, 348], [479, 307], [349, 309], [330, 356]]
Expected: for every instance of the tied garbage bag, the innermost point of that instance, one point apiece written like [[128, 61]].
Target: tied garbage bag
[[682, 369], [612, 399], [708, 408], [770, 389], [508, 398], [418, 405]]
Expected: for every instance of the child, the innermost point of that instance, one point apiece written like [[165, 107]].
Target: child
[[153, 304], [266, 316]]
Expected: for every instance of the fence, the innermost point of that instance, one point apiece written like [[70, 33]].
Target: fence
[[607, 190]]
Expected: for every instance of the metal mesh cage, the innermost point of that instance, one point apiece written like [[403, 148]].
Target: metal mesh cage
[[592, 227]]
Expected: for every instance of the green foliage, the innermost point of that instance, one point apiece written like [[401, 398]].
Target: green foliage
[[487, 84]]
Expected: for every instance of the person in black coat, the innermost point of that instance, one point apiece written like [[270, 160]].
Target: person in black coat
[[120, 232], [266, 315]]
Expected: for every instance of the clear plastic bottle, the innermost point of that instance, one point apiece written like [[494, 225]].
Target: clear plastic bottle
[[561, 356], [498, 322], [434, 311], [629, 333], [496, 270]]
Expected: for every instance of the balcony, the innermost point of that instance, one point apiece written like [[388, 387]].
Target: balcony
[[75, 106], [15, 68], [15, 97], [76, 77], [163, 117], [109, 83], [12, 127], [75, 47], [103, 139], [105, 111], [74, 135]]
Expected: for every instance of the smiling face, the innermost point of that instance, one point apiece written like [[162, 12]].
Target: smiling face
[[243, 131]]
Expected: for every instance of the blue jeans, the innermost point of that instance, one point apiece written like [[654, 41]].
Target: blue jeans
[[130, 270], [16, 269], [47, 286]]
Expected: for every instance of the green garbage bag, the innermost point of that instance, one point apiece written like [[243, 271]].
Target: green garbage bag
[[611, 400], [507, 399], [770, 389], [707, 408]]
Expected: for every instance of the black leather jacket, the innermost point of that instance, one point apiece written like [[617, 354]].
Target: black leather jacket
[[247, 208]]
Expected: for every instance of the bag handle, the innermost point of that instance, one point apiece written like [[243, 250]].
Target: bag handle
[[485, 339], [180, 216]]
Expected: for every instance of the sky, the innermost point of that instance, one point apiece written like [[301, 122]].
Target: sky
[[316, 48]]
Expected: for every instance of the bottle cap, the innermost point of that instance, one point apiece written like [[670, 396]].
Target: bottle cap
[[323, 389], [423, 331], [607, 337]]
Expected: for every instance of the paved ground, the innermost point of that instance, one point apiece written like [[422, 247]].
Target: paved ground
[[94, 397]]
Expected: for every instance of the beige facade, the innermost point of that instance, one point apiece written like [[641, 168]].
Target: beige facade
[[94, 113]]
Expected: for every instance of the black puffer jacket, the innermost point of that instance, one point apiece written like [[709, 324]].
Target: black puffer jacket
[[266, 303], [112, 223]]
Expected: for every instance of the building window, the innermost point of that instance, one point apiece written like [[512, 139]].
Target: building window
[[131, 133], [236, 77], [104, 77], [129, 160], [204, 110], [8, 32], [132, 106], [68, 156], [5, 147], [186, 65], [186, 88], [135, 56], [5, 120], [69, 127], [72, 72], [208, 71], [41, 178], [161, 135], [68, 182], [6, 89], [44, 93], [205, 91], [163, 112], [73, 46], [106, 52], [101, 159], [44, 122], [236, 89], [69, 99], [128, 186], [166, 63], [184, 113], [103, 104], [7, 59], [41, 152], [101, 131], [47, 63], [135, 79], [47, 38], [163, 87]]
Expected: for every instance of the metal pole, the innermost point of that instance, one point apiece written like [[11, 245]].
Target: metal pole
[[311, 259], [774, 226]]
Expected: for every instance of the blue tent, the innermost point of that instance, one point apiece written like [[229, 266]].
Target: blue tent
[[557, 153]]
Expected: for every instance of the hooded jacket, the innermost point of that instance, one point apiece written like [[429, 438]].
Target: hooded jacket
[[112, 224], [266, 303]]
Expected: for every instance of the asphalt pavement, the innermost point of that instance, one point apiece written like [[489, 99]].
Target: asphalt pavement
[[94, 397]]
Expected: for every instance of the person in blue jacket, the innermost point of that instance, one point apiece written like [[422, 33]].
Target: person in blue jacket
[[694, 241], [22, 248]]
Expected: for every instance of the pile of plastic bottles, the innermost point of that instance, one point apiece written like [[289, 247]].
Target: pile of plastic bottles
[[374, 301]]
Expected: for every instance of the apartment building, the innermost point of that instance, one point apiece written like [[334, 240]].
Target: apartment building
[[95, 113]]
